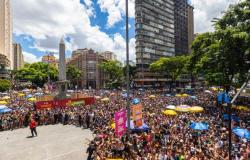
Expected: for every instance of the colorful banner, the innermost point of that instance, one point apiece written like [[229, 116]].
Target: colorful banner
[[137, 115], [65, 103], [120, 123]]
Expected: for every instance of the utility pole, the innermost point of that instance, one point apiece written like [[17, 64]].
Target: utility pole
[[127, 63]]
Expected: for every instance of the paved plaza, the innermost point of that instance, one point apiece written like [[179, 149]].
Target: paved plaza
[[54, 142]]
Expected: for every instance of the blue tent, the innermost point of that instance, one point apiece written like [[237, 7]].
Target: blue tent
[[136, 101], [199, 126], [5, 110], [243, 133], [233, 117]]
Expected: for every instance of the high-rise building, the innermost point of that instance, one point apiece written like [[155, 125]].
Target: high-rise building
[[6, 30], [154, 29], [18, 61], [181, 27], [109, 55], [88, 61], [184, 27], [191, 37], [163, 28]]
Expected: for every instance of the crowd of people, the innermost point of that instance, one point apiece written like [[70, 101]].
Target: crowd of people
[[168, 137]]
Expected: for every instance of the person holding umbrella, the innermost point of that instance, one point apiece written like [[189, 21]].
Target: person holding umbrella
[[32, 126]]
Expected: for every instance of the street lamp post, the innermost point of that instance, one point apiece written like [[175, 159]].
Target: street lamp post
[[127, 72]]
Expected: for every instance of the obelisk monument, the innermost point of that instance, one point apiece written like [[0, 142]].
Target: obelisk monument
[[62, 83]]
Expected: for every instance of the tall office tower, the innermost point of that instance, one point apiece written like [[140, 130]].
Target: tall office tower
[[18, 61], [6, 30], [190, 27], [154, 29], [181, 27]]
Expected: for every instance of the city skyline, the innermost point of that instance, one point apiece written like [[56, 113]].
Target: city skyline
[[88, 23]]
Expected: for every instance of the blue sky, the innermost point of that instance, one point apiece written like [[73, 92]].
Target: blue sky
[[96, 24]]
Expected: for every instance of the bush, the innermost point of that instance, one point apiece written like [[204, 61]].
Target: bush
[[4, 85]]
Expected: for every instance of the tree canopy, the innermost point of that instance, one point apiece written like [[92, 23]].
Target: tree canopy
[[114, 70], [73, 73], [5, 85], [221, 56], [171, 67], [37, 73]]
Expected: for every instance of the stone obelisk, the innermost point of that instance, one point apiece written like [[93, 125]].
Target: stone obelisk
[[62, 83]]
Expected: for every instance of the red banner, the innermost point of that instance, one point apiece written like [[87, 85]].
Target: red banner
[[65, 102]]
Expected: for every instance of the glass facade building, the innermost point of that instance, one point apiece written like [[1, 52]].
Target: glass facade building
[[155, 34]]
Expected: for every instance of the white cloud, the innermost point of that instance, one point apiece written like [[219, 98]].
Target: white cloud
[[116, 9], [30, 58], [206, 10], [47, 21]]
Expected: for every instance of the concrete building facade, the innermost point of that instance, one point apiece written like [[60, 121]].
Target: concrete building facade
[[181, 27], [18, 61], [163, 28], [109, 55], [190, 12], [154, 32], [50, 59], [88, 61], [6, 30]]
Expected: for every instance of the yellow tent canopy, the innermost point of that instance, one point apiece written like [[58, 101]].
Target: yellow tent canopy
[[32, 99], [178, 95], [196, 109], [3, 102], [242, 108], [105, 99], [182, 108], [170, 113], [6, 97], [152, 96], [184, 95], [21, 94]]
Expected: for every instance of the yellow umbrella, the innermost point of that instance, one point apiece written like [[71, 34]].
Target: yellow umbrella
[[242, 108], [170, 113], [214, 89], [152, 96], [196, 109], [6, 97], [182, 108], [3, 102], [178, 95], [184, 95], [105, 99], [21, 94], [32, 99], [113, 125]]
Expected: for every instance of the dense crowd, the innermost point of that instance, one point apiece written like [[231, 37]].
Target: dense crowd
[[169, 137]]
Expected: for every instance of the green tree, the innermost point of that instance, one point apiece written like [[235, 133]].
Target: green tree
[[171, 67], [73, 74], [37, 73], [114, 70], [222, 55], [5, 85], [132, 71]]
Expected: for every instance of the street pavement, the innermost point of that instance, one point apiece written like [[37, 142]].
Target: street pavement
[[54, 142]]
